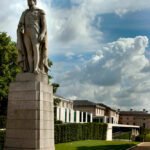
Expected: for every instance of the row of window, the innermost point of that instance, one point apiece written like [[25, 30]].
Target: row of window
[[102, 120], [121, 118], [66, 105], [83, 117], [99, 111]]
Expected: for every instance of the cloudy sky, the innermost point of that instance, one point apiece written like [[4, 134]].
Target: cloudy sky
[[100, 48]]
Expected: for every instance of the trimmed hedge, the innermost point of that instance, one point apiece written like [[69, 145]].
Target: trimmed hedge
[[72, 132], [2, 139], [2, 122], [75, 132]]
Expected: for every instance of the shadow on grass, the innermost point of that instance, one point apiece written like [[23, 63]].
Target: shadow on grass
[[106, 147]]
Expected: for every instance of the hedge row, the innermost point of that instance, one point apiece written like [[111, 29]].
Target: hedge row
[[73, 132], [76, 132], [2, 122], [2, 139]]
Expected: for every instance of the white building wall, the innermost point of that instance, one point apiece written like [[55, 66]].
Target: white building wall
[[91, 118], [72, 116], [86, 117], [77, 117], [63, 114], [57, 117]]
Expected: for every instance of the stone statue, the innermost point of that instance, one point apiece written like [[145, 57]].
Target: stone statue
[[32, 41]]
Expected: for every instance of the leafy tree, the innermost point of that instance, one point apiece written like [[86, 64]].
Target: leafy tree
[[50, 64], [8, 68], [55, 87]]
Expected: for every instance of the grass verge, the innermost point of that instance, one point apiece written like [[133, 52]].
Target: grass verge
[[95, 145]]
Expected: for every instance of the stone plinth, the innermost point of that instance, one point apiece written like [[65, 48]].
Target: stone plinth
[[30, 118]]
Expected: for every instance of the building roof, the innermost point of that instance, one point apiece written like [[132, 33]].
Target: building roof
[[107, 107], [134, 113], [62, 98], [86, 103]]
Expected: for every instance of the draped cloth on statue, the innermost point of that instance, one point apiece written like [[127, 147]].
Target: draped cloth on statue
[[34, 26]]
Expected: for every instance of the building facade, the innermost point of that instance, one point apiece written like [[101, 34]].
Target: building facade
[[140, 118], [101, 113], [67, 114]]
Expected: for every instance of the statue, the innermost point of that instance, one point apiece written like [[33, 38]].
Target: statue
[[32, 41]]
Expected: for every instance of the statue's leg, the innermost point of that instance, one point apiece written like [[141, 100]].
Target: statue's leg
[[29, 48], [35, 43], [36, 58]]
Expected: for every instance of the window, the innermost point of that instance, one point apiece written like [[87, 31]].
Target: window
[[96, 120], [101, 120], [84, 116], [65, 115], [69, 115], [75, 119], [80, 116], [107, 120], [89, 118]]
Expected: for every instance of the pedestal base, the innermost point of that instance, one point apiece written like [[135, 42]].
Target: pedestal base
[[30, 118]]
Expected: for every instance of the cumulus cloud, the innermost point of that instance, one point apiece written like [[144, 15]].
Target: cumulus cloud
[[117, 74], [114, 75], [71, 27]]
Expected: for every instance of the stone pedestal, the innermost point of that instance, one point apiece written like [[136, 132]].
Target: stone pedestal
[[30, 118]]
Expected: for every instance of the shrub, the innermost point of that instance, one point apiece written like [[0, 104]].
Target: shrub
[[2, 139], [139, 138], [2, 122], [75, 132], [58, 122]]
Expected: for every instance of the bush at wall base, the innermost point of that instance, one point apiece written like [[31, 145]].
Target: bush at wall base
[[78, 131], [2, 139], [2, 122], [72, 132]]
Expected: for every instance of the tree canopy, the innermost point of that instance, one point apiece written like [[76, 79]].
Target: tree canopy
[[8, 68]]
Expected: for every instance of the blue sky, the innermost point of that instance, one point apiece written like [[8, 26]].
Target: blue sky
[[130, 25], [100, 49]]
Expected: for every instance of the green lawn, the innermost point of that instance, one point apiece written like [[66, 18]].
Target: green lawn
[[147, 138], [123, 136], [95, 145]]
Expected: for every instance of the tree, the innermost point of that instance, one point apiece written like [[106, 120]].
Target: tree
[[55, 87], [8, 68]]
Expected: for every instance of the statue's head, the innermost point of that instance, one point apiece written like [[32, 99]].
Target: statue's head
[[32, 2]]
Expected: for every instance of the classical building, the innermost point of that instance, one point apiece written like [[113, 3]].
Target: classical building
[[101, 113], [140, 118], [67, 114]]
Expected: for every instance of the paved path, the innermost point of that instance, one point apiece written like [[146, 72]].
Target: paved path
[[143, 146]]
